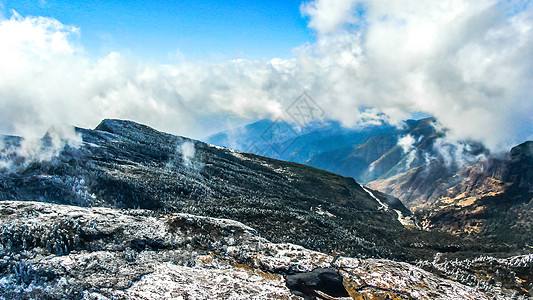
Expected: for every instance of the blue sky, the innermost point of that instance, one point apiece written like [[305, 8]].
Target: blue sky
[[212, 30]]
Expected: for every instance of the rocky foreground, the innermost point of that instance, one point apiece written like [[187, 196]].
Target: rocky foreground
[[52, 251]]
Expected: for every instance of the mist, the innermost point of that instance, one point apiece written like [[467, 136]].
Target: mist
[[17, 154]]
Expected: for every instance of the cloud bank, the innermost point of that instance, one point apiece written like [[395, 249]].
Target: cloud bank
[[468, 63]]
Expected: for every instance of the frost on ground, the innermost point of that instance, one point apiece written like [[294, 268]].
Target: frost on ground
[[59, 251], [170, 281]]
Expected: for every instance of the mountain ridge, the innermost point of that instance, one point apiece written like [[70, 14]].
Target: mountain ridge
[[364, 153], [122, 164]]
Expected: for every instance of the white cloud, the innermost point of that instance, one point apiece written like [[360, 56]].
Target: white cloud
[[38, 149], [406, 143], [328, 16], [468, 63], [45, 79], [188, 151]]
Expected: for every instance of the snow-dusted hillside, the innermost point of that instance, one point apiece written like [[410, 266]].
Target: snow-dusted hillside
[[122, 164], [52, 251], [178, 222]]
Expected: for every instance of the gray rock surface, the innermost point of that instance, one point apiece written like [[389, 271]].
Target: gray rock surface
[[52, 251]]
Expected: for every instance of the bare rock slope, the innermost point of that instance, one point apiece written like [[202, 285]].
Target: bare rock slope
[[489, 200]]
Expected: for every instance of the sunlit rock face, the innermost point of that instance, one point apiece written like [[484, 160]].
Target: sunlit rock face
[[58, 251], [489, 200]]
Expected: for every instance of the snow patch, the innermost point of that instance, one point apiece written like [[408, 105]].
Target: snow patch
[[382, 205]]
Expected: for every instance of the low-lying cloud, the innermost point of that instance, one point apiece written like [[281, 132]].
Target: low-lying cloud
[[187, 152], [468, 63], [406, 143], [19, 154]]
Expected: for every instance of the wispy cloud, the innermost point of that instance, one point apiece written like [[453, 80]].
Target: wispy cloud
[[26, 151], [468, 63]]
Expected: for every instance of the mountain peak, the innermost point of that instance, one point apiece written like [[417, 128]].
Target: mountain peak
[[134, 131], [523, 150], [118, 126]]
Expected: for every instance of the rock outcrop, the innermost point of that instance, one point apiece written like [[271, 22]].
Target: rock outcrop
[[52, 251]]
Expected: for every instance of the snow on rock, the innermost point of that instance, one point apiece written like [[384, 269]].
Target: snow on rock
[[382, 205], [170, 281], [100, 253], [385, 279]]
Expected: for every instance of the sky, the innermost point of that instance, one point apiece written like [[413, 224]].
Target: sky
[[196, 67], [169, 31]]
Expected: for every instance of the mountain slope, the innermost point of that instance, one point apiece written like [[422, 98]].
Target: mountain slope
[[122, 164], [289, 142], [492, 198], [365, 153]]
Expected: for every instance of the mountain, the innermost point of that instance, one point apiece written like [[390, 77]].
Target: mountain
[[289, 142], [460, 187], [122, 164], [491, 198], [383, 155], [165, 216], [364, 153], [53, 251]]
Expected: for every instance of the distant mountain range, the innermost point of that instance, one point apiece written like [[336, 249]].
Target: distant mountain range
[[365, 153]]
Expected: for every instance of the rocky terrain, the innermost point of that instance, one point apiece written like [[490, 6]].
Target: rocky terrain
[[52, 251]]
